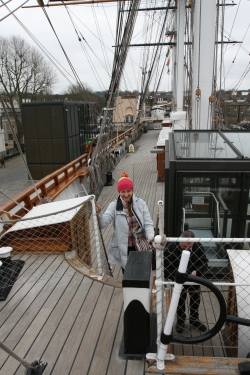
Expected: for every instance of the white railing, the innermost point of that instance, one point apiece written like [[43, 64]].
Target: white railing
[[232, 283]]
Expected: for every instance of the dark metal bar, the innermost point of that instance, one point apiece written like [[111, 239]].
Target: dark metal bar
[[231, 145], [157, 8], [224, 229], [169, 44], [69, 2]]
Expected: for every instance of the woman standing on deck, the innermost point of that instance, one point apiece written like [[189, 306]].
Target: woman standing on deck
[[133, 226]]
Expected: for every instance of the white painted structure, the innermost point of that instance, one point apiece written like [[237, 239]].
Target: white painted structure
[[178, 87], [58, 212], [157, 112], [203, 61]]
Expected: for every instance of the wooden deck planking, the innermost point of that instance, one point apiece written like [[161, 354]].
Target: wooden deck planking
[[135, 368], [25, 295], [62, 322], [76, 332], [104, 347], [29, 260], [33, 316], [116, 364], [87, 349], [208, 314]]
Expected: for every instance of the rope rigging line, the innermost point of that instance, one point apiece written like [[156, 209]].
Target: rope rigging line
[[221, 55], [190, 55], [165, 63], [214, 85], [199, 49], [7, 213], [4, 3], [81, 39], [122, 49], [42, 48], [145, 34], [151, 36], [118, 65], [242, 77], [198, 91], [97, 57], [149, 26], [100, 37], [67, 58], [234, 21], [13, 200], [104, 45], [101, 42], [126, 75], [162, 70], [133, 63], [13, 11], [94, 70], [108, 23], [187, 65], [160, 66], [240, 47], [154, 59], [90, 31]]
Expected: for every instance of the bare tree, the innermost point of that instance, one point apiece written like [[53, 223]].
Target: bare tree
[[84, 93], [23, 73]]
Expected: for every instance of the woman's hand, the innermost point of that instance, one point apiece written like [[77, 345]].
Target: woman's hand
[[151, 242], [97, 208]]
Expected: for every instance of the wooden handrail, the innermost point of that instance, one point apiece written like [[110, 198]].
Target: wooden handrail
[[46, 185]]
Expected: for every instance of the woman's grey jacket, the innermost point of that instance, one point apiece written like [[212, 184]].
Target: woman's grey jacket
[[115, 213]]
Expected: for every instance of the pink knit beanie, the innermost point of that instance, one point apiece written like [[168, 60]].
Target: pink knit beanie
[[125, 183]]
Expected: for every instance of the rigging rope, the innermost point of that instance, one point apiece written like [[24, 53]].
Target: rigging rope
[[42, 48], [13, 200], [13, 11], [81, 39], [67, 58], [154, 58], [4, 3], [240, 47], [118, 64], [100, 37]]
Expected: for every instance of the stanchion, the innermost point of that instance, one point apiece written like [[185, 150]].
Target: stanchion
[[137, 305]]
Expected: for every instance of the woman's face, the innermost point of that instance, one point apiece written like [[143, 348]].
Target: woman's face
[[126, 195]]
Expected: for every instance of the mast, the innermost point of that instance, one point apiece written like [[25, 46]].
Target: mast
[[178, 75], [203, 58]]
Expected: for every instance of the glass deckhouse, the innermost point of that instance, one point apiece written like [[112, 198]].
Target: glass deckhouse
[[207, 185]]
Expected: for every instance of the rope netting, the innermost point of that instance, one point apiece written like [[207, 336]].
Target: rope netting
[[227, 267], [63, 228]]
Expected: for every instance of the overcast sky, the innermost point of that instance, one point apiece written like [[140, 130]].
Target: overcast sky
[[94, 22]]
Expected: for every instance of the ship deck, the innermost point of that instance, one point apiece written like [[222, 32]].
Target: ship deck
[[74, 323]]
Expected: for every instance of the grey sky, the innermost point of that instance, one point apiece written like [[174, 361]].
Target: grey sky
[[99, 21]]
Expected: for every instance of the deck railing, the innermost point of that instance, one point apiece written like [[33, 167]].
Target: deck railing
[[229, 273]]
